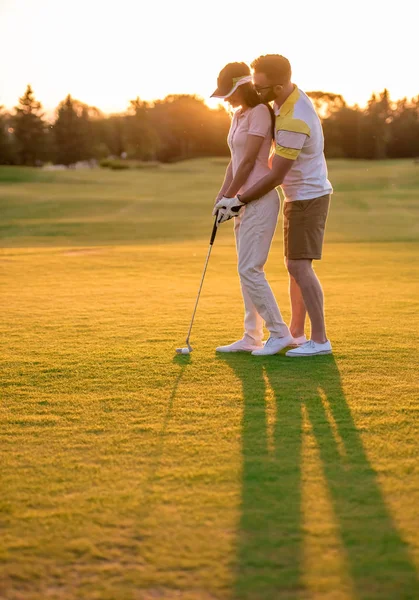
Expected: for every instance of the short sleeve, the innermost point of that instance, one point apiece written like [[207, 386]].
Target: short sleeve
[[290, 138], [260, 122]]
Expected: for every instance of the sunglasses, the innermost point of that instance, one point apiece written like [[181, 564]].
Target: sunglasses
[[266, 87]]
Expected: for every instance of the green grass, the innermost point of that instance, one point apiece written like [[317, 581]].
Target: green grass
[[373, 202], [129, 473]]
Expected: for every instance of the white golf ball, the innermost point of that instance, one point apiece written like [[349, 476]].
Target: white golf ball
[[182, 350]]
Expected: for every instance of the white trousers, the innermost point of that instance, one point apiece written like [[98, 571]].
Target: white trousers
[[254, 229]]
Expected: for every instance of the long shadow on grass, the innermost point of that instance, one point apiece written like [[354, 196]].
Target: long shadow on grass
[[271, 539], [147, 501]]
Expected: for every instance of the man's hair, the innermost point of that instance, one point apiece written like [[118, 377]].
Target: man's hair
[[277, 68]]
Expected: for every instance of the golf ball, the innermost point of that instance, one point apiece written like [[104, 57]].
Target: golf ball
[[182, 350]]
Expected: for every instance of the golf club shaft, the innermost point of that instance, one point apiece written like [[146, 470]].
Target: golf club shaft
[[213, 234]]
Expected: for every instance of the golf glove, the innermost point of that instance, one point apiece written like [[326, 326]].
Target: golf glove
[[227, 209]]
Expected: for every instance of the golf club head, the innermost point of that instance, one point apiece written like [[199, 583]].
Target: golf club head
[[186, 350], [183, 350]]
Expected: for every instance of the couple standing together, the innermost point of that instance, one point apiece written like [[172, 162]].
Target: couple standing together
[[248, 193]]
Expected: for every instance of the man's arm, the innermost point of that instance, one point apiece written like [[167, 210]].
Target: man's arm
[[228, 178], [289, 143], [280, 167]]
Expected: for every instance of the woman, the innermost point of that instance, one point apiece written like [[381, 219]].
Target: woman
[[250, 140]]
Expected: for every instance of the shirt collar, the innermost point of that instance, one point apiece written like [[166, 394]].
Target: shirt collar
[[288, 104], [240, 113]]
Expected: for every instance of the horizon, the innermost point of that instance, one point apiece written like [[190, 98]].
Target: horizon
[[51, 111]]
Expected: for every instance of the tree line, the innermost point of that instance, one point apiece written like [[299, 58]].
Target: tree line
[[183, 126]]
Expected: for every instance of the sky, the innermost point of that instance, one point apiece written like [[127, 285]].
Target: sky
[[105, 53]]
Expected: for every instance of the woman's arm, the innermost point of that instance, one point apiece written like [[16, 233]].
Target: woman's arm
[[228, 178], [253, 144]]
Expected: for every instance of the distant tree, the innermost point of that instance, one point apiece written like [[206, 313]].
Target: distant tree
[[187, 127], [404, 129], [342, 132], [114, 134], [95, 146], [330, 106], [326, 103], [375, 130], [29, 129], [73, 132], [218, 124], [141, 135], [6, 139], [381, 129], [183, 126]]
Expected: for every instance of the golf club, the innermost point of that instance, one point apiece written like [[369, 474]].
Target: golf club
[[189, 348]]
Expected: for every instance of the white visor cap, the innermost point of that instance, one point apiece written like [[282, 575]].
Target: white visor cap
[[237, 81]]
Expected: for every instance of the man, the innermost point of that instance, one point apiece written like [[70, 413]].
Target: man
[[299, 167]]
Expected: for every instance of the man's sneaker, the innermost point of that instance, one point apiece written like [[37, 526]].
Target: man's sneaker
[[274, 345], [240, 346], [299, 341], [311, 348]]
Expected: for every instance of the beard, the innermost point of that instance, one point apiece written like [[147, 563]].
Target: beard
[[269, 96]]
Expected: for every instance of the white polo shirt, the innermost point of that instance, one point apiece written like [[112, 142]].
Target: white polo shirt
[[299, 137]]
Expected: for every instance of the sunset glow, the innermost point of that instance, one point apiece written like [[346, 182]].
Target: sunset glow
[[105, 53]]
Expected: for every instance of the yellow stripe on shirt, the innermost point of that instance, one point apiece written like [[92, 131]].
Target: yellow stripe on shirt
[[288, 123], [291, 153]]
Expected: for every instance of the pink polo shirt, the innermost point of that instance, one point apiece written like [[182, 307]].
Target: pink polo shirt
[[254, 121]]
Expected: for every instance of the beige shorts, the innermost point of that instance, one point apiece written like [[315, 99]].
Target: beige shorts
[[304, 225]]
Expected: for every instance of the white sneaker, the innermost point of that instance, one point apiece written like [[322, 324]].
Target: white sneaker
[[274, 345], [311, 348], [299, 341], [240, 346]]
